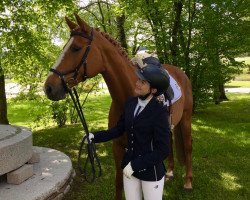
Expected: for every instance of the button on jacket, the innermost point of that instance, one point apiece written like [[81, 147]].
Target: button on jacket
[[148, 138]]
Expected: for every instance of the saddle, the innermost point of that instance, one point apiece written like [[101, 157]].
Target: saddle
[[173, 92]]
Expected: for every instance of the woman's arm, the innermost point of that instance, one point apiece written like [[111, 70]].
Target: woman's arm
[[106, 135]]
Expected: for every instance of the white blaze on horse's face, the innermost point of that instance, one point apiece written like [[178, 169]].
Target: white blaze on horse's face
[[60, 58]]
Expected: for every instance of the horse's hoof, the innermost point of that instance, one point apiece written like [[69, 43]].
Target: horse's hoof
[[188, 189], [169, 178]]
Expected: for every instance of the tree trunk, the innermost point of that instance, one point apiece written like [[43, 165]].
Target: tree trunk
[[222, 94], [157, 26], [3, 102], [185, 42], [176, 26], [120, 20], [219, 94], [102, 17]]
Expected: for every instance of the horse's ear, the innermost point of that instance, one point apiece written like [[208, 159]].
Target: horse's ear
[[85, 27], [71, 24]]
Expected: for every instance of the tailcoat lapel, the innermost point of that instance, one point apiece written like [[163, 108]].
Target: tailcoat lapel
[[147, 110], [131, 108]]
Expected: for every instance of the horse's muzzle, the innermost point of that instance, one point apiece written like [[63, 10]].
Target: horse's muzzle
[[54, 93]]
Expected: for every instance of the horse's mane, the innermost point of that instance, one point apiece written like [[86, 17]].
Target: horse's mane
[[116, 44]]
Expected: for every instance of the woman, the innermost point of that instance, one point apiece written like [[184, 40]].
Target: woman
[[145, 122]]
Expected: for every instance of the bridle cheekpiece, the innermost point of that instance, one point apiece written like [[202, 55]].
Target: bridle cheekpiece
[[83, 61]]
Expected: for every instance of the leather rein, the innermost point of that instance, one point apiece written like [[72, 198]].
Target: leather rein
[[90, 148]]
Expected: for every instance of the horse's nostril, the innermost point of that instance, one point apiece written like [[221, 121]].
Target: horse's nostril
[[48, 89]]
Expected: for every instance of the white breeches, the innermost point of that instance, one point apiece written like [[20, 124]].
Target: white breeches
[[135, 188]]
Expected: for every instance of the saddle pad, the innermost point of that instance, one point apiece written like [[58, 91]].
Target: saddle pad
[[176, 89]]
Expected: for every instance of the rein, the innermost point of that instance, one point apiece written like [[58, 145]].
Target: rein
[[90, 148], [91, 155]]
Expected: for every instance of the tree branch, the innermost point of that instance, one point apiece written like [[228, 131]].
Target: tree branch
[[176, 26], [93, 3]]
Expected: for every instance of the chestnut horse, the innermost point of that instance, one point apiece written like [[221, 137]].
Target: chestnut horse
[[90, 52]]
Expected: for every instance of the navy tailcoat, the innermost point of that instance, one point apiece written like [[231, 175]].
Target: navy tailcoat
[[148, 138]]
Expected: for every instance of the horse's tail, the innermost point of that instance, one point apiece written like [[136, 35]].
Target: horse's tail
[[179, 145]]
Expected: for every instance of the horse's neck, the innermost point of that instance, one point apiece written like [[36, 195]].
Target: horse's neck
[[119, 75]]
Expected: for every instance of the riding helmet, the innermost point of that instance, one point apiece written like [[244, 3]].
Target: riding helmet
[[151, 60], [156, 76]]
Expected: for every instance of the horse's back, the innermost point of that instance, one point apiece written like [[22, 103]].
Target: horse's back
[[185, 103], [184, 83]]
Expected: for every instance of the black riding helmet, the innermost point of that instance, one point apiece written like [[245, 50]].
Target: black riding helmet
[[152, 60], [156, 76]]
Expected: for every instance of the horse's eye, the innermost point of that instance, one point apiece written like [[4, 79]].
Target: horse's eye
[[75, 48]]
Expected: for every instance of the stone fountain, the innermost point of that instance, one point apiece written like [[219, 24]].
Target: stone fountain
[[28, 172]]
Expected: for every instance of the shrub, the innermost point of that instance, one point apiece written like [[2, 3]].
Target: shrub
[[59, 112]]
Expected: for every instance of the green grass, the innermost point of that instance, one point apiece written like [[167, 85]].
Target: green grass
[[221, 146], [245, 75], [245, 59], [26, 112], [238, 84]]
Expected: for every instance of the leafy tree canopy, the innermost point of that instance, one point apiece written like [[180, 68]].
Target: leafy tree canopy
[[28, 29]]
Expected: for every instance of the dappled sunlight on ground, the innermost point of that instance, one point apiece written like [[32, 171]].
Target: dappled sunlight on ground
[[102, 154], [229, 181]]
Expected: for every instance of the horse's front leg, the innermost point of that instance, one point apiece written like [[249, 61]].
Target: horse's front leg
[[118, 151]]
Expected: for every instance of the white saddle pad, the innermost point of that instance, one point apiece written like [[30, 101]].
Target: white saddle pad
[[177, 91]]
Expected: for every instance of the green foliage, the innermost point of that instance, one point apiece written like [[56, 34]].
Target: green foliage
[[29, 112], [27, 31], [201, 37], [31, 95], [59, 112], [101, 14], [40, 113]]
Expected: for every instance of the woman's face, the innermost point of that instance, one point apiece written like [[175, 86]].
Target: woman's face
[[142, 87]]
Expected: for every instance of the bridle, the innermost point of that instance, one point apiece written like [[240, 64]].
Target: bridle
[[83, 61], [90, 148]]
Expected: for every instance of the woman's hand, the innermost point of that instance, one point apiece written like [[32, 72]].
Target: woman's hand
[[91, 137], [128, 171]]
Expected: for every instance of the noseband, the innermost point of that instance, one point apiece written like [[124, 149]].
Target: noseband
[[83, 61], [91, 156]]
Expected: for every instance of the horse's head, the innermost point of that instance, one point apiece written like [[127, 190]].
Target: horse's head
[[81, 58]]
